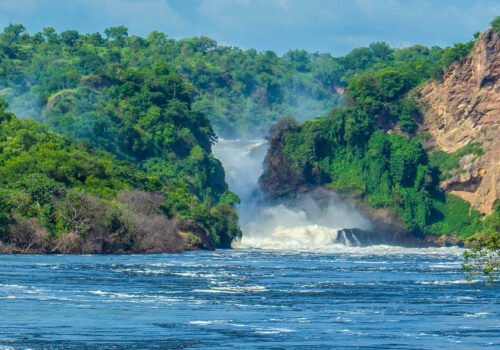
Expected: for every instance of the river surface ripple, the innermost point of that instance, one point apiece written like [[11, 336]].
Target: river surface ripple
[[374, 297]]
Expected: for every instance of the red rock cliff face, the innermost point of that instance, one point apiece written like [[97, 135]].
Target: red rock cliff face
[[464, 107]]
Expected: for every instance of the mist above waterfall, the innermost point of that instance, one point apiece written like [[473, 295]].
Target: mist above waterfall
[[310, 221]]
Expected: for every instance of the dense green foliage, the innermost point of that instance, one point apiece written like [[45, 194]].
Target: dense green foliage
[[350, 151], [40, 170], [453, 215], [45, 176], [448, 162], [50, 178], [128, 96], [109, 94], [243, 92]]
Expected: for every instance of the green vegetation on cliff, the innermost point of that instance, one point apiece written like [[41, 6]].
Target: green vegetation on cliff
[[495, 24], [128, 96], [108, 95], [367, 149], [51, 186]]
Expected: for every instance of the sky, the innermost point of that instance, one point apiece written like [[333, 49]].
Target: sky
[[334, 26]]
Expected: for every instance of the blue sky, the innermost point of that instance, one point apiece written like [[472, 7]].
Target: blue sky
[[335, 26]]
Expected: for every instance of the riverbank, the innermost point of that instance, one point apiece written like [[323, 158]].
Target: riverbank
[[167, 237]]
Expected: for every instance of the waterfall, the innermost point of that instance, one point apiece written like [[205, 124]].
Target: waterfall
[[303, 224]]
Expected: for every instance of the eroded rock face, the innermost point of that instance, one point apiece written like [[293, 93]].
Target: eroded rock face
[[279, 179], [464, 107]]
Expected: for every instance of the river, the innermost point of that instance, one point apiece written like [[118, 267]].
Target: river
[[290, 282], [375, 297]]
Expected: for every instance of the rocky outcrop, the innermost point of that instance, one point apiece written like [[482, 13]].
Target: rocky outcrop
[[464, 107], [193, 236], [280, 178]]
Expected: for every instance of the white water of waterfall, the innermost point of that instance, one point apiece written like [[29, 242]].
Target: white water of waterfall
[[303, 225]]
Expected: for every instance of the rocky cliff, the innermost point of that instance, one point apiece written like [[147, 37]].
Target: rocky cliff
[[462, 108]]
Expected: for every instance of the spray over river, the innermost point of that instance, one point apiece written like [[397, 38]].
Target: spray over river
[[293, 281]]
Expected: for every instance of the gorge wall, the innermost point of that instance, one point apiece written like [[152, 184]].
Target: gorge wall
[[462, 108], [389, 171]]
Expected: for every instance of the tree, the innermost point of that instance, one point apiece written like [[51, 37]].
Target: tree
[[116, 33], [299, 60], [359, 58], [496, 23], [328, 72], [381, 50], [156, 38], [69, 37], [483, 259], [51, 34], [14, 31]]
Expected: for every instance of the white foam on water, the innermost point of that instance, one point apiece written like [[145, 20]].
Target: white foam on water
[[308, 237], [116, 295], [232, 289], [12, 286], [304, 225], [445, 266], [205, 323], [322, 239], [271, 330], [161, 265], [230, 323], [443, 283], [212, 322], [477, 314], [198, 275]]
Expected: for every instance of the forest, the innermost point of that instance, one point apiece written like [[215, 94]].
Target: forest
[[116, 108], [142, 113], [243, 92], [368, 149]]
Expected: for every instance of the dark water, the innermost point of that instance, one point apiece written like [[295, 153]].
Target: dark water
[[358, 298]]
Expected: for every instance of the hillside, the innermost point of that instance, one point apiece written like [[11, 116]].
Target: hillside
[[95, 91], [243, 92], [152, 101], [58, 196], [461, 109], [372, 149], [157, 104]]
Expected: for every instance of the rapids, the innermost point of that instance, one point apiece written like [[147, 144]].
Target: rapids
[[364, 298], [297, 280]]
